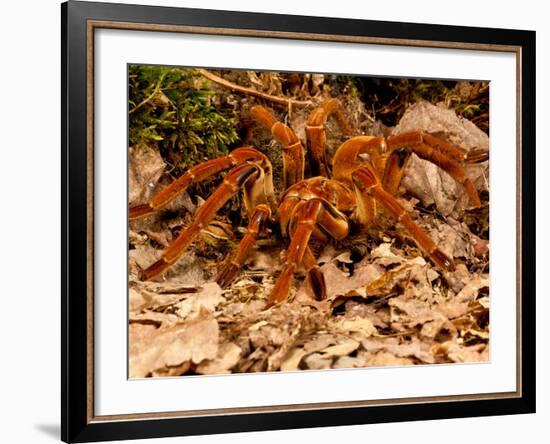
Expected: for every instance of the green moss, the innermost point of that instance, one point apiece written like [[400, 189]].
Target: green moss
[[171, 110]]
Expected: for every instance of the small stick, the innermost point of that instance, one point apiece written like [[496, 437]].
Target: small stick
[[242, 89]]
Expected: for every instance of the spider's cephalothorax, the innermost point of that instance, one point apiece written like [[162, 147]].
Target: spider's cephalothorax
[[365, 175]]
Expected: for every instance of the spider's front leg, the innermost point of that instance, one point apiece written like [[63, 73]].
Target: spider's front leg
[[198, 173], [367, 185]]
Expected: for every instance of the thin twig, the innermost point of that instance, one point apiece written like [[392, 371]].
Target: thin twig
[[242, 89]]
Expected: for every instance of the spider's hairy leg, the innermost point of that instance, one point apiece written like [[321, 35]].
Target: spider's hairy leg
[[366, 182], [231, 184], [228, 272], [316, 133], [442, 154], [195, 174], [293, 151], [306, 217]]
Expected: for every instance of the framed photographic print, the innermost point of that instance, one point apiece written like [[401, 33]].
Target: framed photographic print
[[276, 221]]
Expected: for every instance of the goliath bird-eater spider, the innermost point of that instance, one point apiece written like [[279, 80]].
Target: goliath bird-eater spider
[[364, 176]]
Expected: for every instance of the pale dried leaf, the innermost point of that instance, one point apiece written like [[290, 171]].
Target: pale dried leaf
[[257, 325], [471, 290], [227, 358], [460, 353], [176, 370], [320, 342], [159, 348], [317, 361], [413, 348], [292, 359], [351, 361], [344, 348], [208, 298], [364, 326], [161, 320], [344, 257], [440, 331], [384, 358], [145, 167]]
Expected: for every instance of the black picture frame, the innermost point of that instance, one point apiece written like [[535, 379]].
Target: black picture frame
[[78, 423]]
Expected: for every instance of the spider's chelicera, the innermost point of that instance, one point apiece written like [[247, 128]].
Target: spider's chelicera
[[365, 175]]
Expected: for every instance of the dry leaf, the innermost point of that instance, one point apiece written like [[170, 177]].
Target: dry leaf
[[156, 349], [384, 358], [292, 359], [342, 349], [208, 298], [227, 358], [316, 361], [400, 349], [363, 326], [145, 167], [471, 290], [460, 353], [161, 320]]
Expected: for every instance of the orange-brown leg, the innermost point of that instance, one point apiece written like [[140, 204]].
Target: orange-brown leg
[[232, 182], [442, 154], [306, 217], [314, 274], [196, 174], [293, 151], [316, 134], [228, 272], [366, 182]]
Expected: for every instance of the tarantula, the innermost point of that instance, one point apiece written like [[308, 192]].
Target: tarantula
[[365, 175]]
